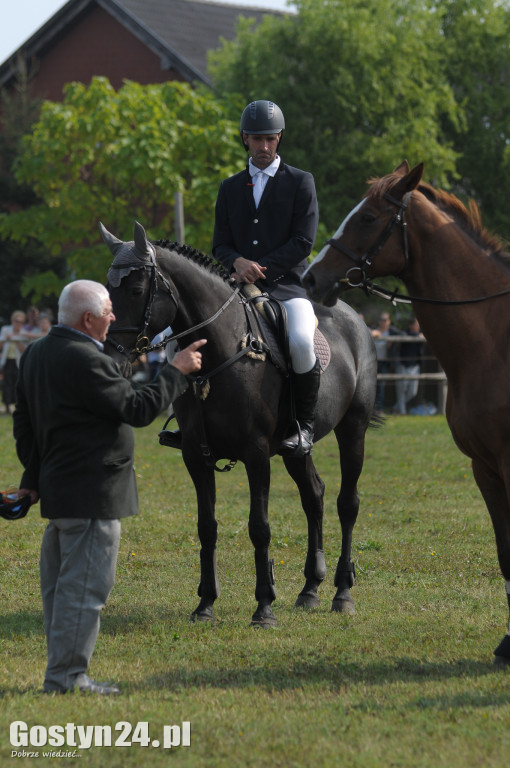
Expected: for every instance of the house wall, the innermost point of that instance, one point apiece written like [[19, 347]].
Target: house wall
[[96, 45]]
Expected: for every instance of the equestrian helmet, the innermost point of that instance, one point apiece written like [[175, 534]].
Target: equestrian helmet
[[261, 117], [12, 507]]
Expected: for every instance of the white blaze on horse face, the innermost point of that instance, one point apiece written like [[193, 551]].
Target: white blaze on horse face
[[337, 234]]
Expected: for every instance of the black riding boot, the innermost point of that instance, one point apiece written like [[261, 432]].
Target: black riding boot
[[306, 392]]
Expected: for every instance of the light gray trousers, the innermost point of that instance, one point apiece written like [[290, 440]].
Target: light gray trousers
[[78, 562]]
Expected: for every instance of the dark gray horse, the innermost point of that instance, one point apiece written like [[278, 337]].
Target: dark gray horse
[[237, 409]]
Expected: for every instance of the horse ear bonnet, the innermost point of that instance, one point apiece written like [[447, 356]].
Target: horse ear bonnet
[[134, 254]]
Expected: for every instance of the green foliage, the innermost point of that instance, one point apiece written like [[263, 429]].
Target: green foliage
[[117, 157], [477, 65], [362, 87], [363, 84], [406, 682]]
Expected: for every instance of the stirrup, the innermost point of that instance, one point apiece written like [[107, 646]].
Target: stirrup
[[298, 444], [170, 439]]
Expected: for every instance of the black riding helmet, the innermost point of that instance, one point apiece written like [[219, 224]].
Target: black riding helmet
[[261, 117], [12, 508]]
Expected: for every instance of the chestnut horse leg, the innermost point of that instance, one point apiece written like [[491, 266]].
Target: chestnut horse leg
[[259, 471], [495, 496], [311, 490]]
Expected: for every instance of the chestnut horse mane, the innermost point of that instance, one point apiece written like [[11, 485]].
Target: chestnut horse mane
[[468, 218]]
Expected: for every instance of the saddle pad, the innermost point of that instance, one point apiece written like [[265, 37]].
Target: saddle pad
[[322, 349], [321, 346]]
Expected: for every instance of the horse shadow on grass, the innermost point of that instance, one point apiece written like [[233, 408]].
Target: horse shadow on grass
[[273, 674], [333, 671]]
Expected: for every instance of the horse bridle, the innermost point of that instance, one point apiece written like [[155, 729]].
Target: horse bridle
[[365, 261], [143, 342]]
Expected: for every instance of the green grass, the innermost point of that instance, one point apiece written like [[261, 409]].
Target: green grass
[[408, 681]]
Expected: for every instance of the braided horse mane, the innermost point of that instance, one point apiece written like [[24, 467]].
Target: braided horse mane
[[467, 218], [202, 260]]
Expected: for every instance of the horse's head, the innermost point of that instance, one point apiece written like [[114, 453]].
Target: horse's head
[[369, 242], [143, 299]]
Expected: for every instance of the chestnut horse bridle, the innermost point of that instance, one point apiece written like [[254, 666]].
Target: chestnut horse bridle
[[365, 261]]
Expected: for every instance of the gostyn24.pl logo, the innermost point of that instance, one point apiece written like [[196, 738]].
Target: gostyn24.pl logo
[[122, 734]]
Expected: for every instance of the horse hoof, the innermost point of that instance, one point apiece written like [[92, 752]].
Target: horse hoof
[[204, 615], [343, 606], [307, 600], [501, 662], [263, 619]]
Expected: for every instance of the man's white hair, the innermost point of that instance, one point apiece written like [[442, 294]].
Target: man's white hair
[[79, 297]]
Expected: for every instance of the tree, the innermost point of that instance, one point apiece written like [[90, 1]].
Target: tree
[[119, 157], [361, 85], [477, 65]]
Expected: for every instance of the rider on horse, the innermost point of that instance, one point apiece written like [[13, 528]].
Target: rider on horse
[[265, 226]]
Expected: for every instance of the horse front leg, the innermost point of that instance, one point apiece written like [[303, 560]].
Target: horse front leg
[[350, 434], [495, 494], [311, 490], [209, 588], [258, 471]]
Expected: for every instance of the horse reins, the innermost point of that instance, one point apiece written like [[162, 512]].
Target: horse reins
[[365, 261], [143, 344]]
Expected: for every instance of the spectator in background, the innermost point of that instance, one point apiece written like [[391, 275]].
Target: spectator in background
[[409, 362], [31, 327], [385, 353], [43, 324], [13, 340], [157, 358]]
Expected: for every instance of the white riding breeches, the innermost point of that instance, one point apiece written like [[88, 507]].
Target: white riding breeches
[[301, 325]]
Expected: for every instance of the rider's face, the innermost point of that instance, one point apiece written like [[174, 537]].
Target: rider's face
[[262, 148]]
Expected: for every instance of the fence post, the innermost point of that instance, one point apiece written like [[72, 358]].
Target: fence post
[[179, 217]]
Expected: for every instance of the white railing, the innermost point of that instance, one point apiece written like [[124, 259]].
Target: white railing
[[432, 376]]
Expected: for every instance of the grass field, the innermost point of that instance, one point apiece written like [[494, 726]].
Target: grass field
[[408, 681]]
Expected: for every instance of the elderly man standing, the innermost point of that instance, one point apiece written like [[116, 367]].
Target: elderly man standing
[[72, 426]]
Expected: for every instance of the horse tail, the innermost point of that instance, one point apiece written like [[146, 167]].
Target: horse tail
[[376, 421]]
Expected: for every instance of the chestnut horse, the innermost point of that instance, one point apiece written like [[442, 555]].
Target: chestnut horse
[[458, 279], [234, 410]]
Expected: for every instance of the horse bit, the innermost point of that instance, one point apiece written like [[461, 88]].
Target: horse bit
[[365, 261], [143, 343]]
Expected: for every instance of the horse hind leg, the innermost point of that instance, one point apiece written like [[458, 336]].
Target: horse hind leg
[[311, 491]]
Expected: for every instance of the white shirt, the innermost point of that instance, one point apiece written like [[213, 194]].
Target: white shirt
[[260, 177]]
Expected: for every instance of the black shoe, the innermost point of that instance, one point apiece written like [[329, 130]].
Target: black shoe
[[299, 444], [170, 439]]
